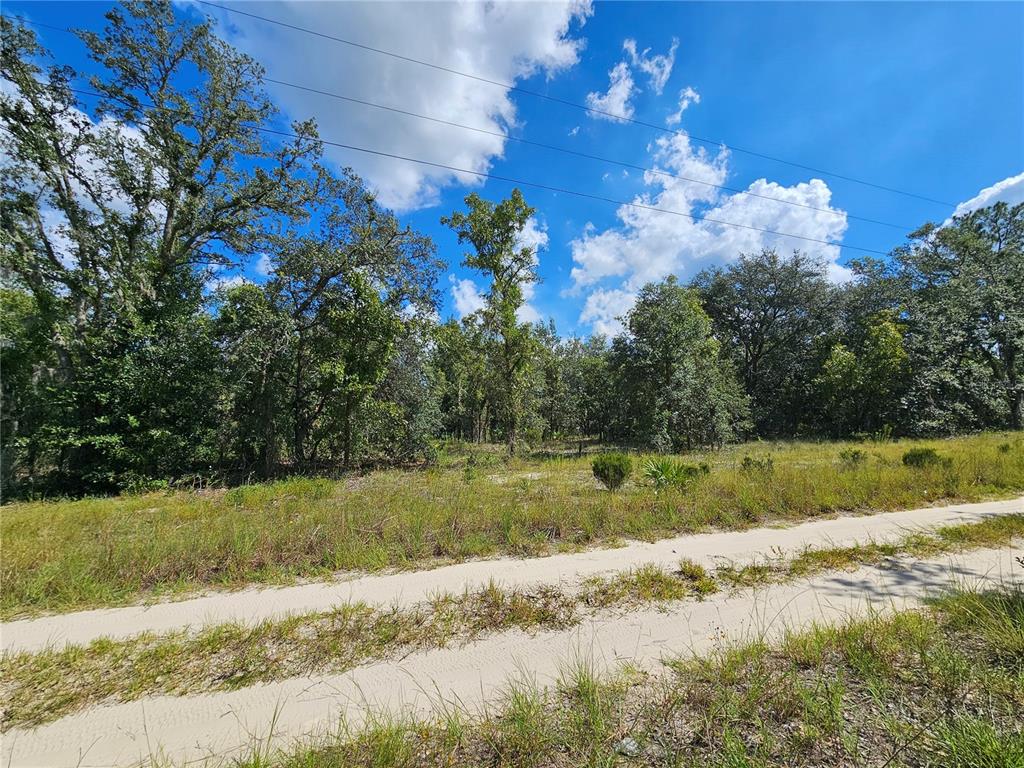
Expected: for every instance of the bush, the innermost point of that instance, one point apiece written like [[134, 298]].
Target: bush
[[920, 458], [765, 466], [664, 472], [852, 457], [612, 469]]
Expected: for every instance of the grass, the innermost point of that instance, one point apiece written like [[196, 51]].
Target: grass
[[65, 555], [38, 687], [939, 687]]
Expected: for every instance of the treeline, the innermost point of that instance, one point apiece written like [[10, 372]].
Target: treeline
[[127, 358]]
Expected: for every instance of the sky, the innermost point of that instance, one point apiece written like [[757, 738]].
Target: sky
[[926, 98]]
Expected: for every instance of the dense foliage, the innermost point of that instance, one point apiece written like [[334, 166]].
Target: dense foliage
[[129, 359]]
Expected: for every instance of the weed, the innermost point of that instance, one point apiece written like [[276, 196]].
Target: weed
[[764, 465], [852, 458]]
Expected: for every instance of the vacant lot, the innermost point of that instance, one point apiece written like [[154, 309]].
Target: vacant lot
[[63, 555]]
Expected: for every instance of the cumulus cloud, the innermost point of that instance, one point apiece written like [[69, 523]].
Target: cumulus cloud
[[499, 41], [1009, 190], [604, 310], [615, 102], [527, 312], [534, 235], [647, 245], [687, 97], [466, 297], [658, 68], [264, 266]]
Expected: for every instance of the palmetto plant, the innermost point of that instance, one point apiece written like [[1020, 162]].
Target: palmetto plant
[[665, 472]]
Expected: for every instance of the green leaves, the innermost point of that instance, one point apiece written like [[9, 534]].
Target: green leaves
[[675, 391], [494, 230]]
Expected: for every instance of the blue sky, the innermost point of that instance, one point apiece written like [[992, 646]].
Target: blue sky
[[925, 97]]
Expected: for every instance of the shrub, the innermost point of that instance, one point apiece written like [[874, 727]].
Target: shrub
[[664, 472], [920, 458], [852, 457], [1004, 447], [765, 466], [612, 469]]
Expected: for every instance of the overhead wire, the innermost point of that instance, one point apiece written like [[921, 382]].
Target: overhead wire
[[567, 102], [535, 185]]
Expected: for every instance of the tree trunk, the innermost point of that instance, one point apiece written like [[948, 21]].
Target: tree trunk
[[1015, 394], [347, 438]]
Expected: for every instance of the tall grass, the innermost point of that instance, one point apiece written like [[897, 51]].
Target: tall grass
[[63, 555]]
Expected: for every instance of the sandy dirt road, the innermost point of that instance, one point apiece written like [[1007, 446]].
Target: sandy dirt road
[[403, 588], [201, 726]]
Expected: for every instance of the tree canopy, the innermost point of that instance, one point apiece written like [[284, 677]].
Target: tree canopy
[[133, 354]]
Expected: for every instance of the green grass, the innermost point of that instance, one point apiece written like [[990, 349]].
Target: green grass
[[67, 555], [941, 687], [38, 687]]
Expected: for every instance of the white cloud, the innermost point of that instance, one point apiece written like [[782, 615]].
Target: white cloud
[[687, 97], [499, 41], [838, 273], [223, 282], [1009, 190], [467, 297], [264, 266], [658, 68], [534, 235], [574, 131], [614, 103], [604, 310], [648, 245], [527, 313]]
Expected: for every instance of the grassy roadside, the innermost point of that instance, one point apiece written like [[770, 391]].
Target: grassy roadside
[[44, 686], [940, 687], [67, 555]]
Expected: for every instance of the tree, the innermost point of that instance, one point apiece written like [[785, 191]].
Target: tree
[[256, 340], [461, 362], [675, 389], [770, 314], [860, 388], [495, 232], [114, 220], [959, 289]]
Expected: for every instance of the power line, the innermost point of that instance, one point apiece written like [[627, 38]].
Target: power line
[[568, 103], [555, 148], [563, 190], [577, 153], [536, 185]]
